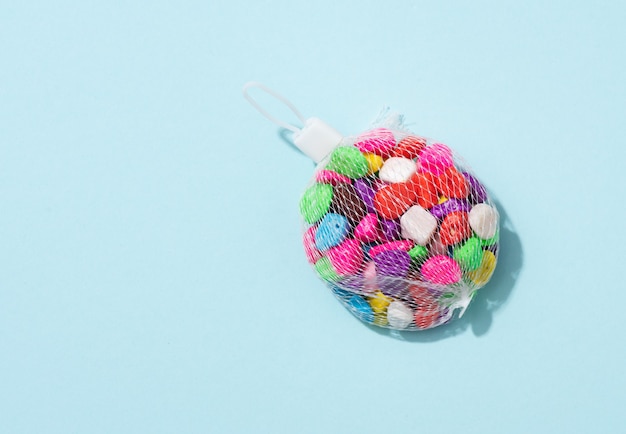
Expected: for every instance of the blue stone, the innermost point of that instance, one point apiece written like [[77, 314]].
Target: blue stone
[[361, 308], [332, 230]]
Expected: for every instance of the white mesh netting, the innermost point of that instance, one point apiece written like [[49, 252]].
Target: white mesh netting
[[399, 229]]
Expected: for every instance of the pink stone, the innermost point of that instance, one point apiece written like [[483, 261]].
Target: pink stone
[[393, 245], [367, 230], [369, 277], [308, 239], [441, 270], [435, 159], [346, 258], [379, 141], [329, 177]]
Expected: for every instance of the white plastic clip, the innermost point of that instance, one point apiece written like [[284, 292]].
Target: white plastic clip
[[316, 139]]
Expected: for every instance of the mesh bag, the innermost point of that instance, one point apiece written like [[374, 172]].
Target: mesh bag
[[399, 229], [396, 225]]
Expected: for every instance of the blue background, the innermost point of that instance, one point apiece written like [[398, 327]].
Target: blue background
[[152, 274]]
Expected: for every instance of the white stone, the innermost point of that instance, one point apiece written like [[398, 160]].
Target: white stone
[[483, 220], [399, 315], [418, 224], [397, 169]]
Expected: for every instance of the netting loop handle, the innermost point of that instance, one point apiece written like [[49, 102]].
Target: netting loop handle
[[280, 98]]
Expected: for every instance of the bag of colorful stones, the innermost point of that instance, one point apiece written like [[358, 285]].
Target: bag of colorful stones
[[395, 224]]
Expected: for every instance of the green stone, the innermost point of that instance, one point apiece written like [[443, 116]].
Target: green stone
[[326, 271], [469, 255], [418, 253], [348, 161], [491, 241], [315, 202]]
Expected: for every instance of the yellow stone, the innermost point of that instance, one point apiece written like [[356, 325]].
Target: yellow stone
[[442, 199], [380, 320], [483, 273], [379, 302], [375, 162]]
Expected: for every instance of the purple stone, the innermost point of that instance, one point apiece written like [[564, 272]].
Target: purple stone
[[478, 194], [390, 229], [393, 263], [365, 190], [450, 205], [352, 283], [392, 286]]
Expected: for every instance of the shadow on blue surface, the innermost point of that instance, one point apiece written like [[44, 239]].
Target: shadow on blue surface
[[479, 315]]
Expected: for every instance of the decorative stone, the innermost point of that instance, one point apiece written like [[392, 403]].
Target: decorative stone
[[397, 169], [390, 229], [477, 192], [409, 147], [455, 228], [483, 220], [441, 270], [379, 141], [347, 202], [315, 202], [361, 308], [348, 161], [379, 303], [450, 205], [418, 225], [346, 258], [469, 255], [369, 277], [418, 253], [482, 274], [308, 240], [399, 315], [393, 200], [425, 189], [435, 159], [366, 192], [326, 271], [330, 177], [452, 184], [367, 230], [393, 263], [375, 162], [392, 245], [331, 231], [426, 318]]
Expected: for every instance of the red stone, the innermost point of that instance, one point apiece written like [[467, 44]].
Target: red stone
[[426, 189], [393, 200], [427, 310], [455, 228], [451, 183], [425, 319], [409, 147]]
